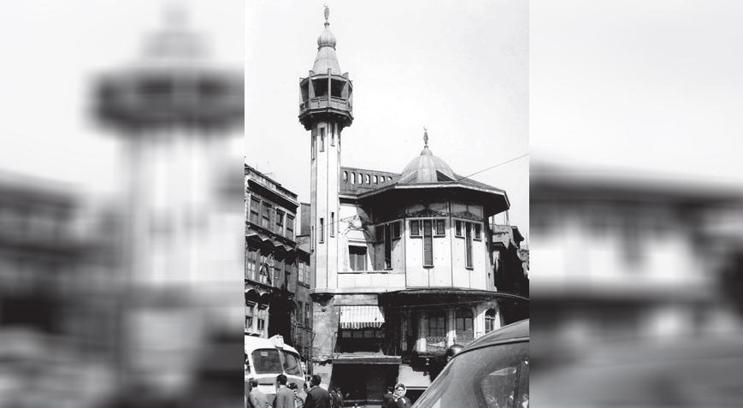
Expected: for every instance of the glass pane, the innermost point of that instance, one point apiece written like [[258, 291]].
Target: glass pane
[[291, 364], [266, 361]]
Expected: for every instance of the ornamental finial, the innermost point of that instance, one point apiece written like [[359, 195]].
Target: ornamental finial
[[425, 136], [327, 14]]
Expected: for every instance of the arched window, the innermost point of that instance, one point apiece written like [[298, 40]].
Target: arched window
[[345, 176], [366, 179], [375, 179], [353, 178], [389, 179], [489, 320]]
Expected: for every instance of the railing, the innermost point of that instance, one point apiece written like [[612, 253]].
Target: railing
[[325, 102]]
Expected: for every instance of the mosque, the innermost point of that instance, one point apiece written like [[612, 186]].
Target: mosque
[[402, 263]]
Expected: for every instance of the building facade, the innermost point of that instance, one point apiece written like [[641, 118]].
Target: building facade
[[277, 278], [402, 261]]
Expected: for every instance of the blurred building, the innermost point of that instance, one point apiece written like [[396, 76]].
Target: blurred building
[[402, 262], [177, 116], [277, 275], [620, 257], [58, 310]]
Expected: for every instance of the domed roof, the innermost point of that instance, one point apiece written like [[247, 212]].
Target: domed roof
[[426, 168], [326, 58]]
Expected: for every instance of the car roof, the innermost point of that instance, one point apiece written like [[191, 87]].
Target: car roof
[[252, 343], [515, 331]]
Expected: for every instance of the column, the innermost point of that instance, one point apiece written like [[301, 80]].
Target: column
[[451, 327], [422, 332]]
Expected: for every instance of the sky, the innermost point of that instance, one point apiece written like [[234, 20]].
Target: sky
[[458, 68], [647, 87], [650, 86]]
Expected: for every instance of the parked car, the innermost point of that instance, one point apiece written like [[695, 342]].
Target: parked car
[[492, 371]]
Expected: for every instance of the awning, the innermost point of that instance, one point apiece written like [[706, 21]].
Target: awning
[[361, 317]]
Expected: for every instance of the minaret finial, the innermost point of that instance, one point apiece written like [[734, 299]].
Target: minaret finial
[[425, 136], [327, 14]]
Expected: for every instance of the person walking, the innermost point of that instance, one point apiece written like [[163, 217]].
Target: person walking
[[284, 396], [400, 399], [317, 397], [257, 398]]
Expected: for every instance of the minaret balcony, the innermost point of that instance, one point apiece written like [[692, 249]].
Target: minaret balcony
[[325, 107]]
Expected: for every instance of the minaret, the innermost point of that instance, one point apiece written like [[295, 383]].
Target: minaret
[[325, 109]]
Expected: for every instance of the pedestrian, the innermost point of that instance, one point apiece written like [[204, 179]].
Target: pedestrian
[[400, 399], [284, 396], [336, 398], [298, 400], [257, 398], [388, 399], [317, 397]]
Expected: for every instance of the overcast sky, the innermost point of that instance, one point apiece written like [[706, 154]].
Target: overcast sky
[[652, 86], [458, 68]]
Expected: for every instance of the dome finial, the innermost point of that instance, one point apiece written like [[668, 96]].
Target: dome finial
[[425, 137], [327, 14]]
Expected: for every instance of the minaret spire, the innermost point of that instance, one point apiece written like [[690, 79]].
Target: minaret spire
[[327, 14], [425, 137]]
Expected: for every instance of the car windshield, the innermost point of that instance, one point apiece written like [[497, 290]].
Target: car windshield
[[491, 376], [291, 364], [266, 361]]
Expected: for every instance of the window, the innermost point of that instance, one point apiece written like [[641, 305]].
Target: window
[[279, 221], [313, 148], [263, 276], [322, 230], [379, 232], [415, 228], [308, 314], [322, 139], [289, 226], [468, 244], [366, 179], [436, 324], [396, 230], [266, 361], [332, 136], [266, 221], [489, 320], [300, 313], [312, 238], [291, 363], [251, 264], [261, 324], [353, 178], [440, 228], [478, 227], [255, 207], [388, 246], [249, 315], [345, 176], [331, 227], [427, 244], [458, 228], [357, 258], [376, 180], [464, 321]]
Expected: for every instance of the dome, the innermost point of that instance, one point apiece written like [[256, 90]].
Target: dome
[[426, 168], [326, 39], [326, 58]]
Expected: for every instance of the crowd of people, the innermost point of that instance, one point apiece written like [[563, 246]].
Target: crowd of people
[[314, 396]]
